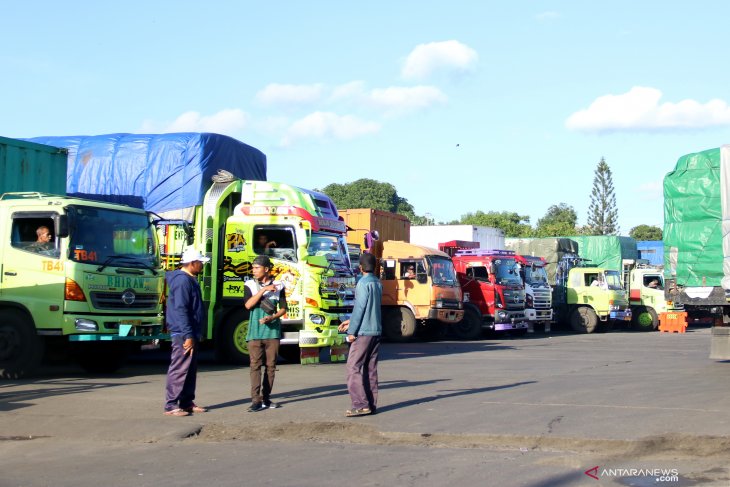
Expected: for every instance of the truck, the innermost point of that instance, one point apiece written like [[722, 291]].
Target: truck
[[209, 193], [697, 241], [77, 277], [494, 298], [362, 222], [420, 289], [538, 292], [588, 298], [649, 307], [432, 235]]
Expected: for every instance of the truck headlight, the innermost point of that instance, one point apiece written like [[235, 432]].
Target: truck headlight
[[86, 325], [502, 315], [317, 319]]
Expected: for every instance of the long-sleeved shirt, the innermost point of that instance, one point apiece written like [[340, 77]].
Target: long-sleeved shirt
[[366, 315], [185, 313]]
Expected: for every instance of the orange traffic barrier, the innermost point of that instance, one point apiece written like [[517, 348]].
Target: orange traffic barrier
[[673, 322]]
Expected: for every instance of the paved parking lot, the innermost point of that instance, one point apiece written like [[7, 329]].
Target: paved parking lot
[[527, 411]]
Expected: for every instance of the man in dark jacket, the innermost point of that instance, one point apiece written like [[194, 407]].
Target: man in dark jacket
[[363, 332], [184, 317]]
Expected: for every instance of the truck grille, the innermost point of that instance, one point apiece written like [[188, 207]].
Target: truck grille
[[103, 300], [514, 299], [541, 298]]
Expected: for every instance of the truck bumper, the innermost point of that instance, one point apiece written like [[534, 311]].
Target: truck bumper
[[624, 315], [105, 327], [313, 335], [446, 315]]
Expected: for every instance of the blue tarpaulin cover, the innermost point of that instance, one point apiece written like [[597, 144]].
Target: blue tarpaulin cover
[[159, 172]]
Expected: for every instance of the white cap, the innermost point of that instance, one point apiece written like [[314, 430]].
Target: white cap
[[191, 255]]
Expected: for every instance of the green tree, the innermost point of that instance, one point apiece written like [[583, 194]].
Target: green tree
[[645, 232], [511, 223], [369, 193], [559, 220], [602, 212]]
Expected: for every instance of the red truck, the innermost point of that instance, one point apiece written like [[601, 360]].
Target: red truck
[[494, 296]]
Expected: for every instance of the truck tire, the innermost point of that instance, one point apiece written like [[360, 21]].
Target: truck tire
[[102, 357], [399, 324], [644, 318], [470, 327], [583, 320], [230, 341], [21, 349]]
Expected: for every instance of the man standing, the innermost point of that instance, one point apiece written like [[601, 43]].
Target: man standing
[[184, 318], [363, 332], [266, 301]]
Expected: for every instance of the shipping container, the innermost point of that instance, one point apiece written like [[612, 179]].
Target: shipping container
[[433, 235], [390, 226], [27, 166]]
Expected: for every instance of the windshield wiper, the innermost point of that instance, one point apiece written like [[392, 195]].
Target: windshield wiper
[[113, 257]]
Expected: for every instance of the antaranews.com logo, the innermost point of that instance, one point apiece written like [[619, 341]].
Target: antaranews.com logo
[[659, 474]]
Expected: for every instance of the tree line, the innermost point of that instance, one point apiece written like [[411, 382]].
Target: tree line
[[560, 219]]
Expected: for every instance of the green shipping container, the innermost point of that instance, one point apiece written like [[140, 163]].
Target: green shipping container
[[26, 166], [695, 204]]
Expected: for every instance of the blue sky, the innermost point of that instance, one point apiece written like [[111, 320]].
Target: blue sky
[[462, 105]]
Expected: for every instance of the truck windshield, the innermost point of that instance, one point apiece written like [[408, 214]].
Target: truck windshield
[[112, 237], [331, 245], [442, 271], [613, 280], [505, 272], [535, 275]]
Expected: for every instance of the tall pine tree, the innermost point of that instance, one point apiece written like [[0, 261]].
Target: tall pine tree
[[602, 213]]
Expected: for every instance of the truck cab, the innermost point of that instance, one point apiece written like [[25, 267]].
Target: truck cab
[[649, 306], [492, 288], [589, 298], [538, 293], [94, 285], [302, 234], [419, 287]]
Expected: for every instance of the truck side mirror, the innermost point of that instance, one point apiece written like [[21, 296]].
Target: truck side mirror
[[61, 226], [421, 278]]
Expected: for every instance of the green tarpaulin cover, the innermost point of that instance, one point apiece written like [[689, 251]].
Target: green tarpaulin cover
[[695, 207], [606, 251], [551, 249]]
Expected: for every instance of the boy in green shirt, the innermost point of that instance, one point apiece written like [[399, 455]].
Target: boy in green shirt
[[266, 301]]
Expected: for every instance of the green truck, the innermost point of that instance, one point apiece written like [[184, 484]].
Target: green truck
[[697, 241], [76, 275]]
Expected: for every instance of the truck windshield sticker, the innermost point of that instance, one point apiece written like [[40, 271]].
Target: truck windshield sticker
[[235, 242]]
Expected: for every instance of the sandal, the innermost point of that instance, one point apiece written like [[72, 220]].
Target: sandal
[[196, 409], [357, 412], [177, 412]]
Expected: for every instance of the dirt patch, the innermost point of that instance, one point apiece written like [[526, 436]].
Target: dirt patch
[[340, 432]]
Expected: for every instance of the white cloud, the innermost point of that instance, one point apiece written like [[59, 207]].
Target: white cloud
[[327, 125], [351, 90], [275, 93], [545, 16], [398, 99], [448, 56], [640, 109], [652, 191], [228, 122]]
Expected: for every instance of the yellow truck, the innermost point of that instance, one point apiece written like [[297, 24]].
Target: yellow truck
[[419, 287], [93, 284]]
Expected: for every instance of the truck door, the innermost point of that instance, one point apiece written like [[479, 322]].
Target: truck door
[[479, 288], [389, 282], [33, 271]]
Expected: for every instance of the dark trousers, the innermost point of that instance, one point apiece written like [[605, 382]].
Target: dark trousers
[[181, 376], [257, 351], [362, 372]]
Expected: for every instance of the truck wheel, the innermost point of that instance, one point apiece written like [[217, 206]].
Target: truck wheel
[[230, 341], [644, 319], [21, 349], [584, 320], [470, 327], [399, 324], [102, 358]]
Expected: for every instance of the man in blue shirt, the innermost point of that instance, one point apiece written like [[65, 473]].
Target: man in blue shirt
[[363, 332], [184, 317]]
